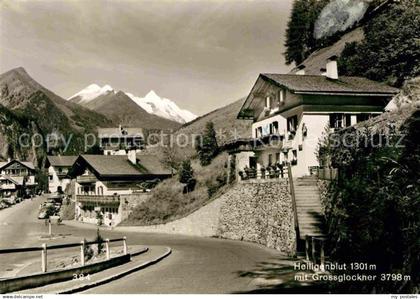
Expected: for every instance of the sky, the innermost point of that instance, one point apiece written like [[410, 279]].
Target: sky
[[202, 54]]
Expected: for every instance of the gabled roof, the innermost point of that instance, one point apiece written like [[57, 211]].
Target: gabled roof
[[61, 160], [111, 165], [15, 180], [151, 164], [27, 164], [120, 132], [120, 166], [313, 84]]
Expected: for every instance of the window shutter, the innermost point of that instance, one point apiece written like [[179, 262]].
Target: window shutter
[[332, 120], [348, 120]]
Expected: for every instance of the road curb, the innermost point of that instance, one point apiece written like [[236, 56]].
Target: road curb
[[85, 287]]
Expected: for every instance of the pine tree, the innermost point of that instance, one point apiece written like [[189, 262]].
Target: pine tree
[[186, 176], [300, 41], [186, 173], [390, 51], [206, 145]]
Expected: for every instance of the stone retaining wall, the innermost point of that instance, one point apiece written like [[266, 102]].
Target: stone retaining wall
[[257, 211]]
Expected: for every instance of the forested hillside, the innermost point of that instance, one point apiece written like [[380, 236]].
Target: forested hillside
[[389, 50]]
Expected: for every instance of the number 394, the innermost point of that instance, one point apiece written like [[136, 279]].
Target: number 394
[[81, 276]]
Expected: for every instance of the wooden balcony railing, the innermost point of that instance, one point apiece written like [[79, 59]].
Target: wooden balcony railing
[[86, 179], [105, 199]]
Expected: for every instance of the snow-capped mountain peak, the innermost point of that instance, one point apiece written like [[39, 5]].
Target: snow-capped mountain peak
[[151, 102], [91, 92], [163, 107]]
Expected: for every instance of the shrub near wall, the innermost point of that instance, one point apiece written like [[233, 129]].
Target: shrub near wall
[[261, 213], [372, 207]]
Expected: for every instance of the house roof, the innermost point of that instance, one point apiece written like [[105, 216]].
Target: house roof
[[61, 160], [27, 164], [15, 180], [111, 165], [151, 164], [321, 84], [120, 132]]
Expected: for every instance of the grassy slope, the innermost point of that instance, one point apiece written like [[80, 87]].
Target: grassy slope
[[226, 124], [168, 203]]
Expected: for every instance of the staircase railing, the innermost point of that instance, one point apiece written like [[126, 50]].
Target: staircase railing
[[292, 193]]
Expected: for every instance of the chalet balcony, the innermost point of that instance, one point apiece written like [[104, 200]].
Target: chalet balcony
[[85, 179], [8, 187], [99, 199]]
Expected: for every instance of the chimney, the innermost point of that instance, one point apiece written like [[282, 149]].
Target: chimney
[[9, 159], [323, 71], [332, 71], [131, 155], [300, 70]]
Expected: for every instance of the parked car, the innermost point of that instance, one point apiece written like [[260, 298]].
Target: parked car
[[42, 214], [3, 204], [11, 200]]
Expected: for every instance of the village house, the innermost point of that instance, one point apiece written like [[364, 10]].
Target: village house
[[101, 181], [58, 167], [291, 112], [120, 140], [17, 178]]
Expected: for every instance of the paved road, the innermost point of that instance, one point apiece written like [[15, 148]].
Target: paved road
[[197, 265]]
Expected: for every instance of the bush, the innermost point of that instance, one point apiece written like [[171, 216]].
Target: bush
[[214, 185], [100, 242], [88, 251], [372, 208], [186, 176]]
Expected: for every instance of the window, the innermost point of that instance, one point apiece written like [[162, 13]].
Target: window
[[259, 132], [270, 159], [292, 123], [277, 157], [282, 96], [268, 102], [275, 127], [340, 120], [285, 156], [362, 117]]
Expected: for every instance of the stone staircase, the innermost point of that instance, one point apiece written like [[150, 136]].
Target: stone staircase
[[308, 206]]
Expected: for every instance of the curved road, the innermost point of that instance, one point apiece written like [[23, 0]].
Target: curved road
[[197, 265]]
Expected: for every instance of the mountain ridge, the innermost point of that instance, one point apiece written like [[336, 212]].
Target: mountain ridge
[[31, 102], [118, 107], [151, 102]]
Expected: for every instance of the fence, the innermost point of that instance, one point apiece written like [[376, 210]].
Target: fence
[[263, 174], [327, 173], [315, 250], [44, 250]]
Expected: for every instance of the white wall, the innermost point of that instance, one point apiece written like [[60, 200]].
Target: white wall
[[56, 182], [315, 125], [280, 119]]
